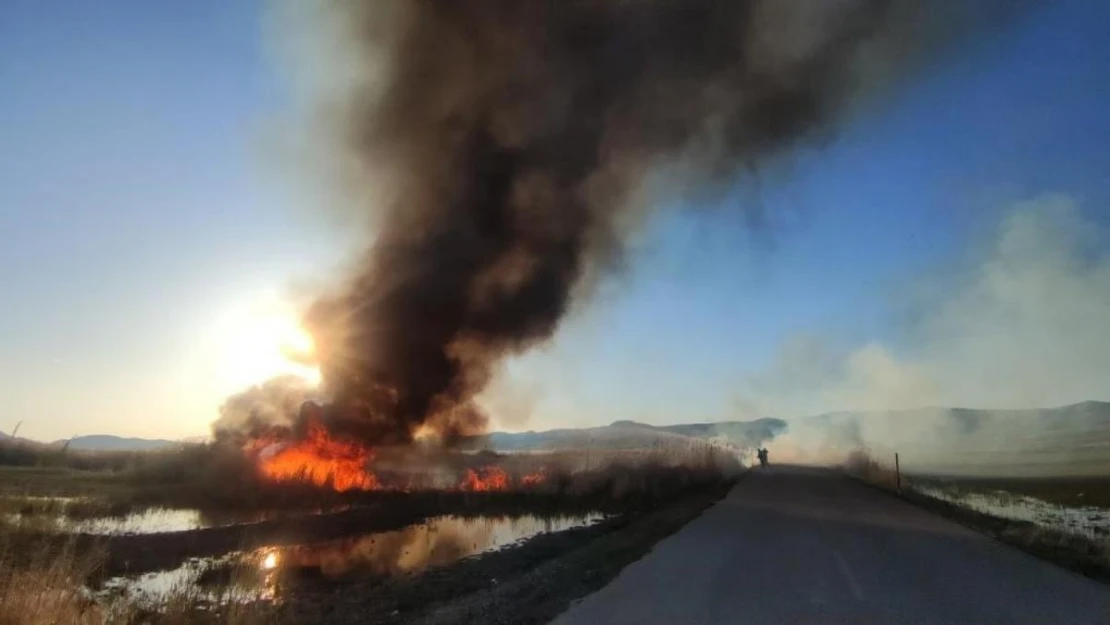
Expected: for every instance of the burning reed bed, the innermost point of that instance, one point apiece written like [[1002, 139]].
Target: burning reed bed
[[227, 476], [221, 477], [45, 575], [625, 483], [224, 486]]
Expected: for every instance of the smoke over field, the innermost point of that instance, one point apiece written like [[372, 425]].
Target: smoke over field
[[497, 151], [1023, 325]]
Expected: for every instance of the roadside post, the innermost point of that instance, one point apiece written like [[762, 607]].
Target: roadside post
[[897, 473]]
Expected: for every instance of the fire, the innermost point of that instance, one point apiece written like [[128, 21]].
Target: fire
[[319, 459], [342, 464], [533, 479], [487, 478]]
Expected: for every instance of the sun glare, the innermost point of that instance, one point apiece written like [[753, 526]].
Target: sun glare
[[262, 340], [270, 560]]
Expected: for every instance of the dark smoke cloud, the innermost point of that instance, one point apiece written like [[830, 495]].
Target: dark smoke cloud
[[513, 137], [276, 401]]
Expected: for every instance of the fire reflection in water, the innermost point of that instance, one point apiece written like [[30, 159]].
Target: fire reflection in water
[[259, 574], [437, 542], [234, 577], [270, 561]]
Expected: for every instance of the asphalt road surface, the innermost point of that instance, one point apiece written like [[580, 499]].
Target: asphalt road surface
[[793, 545]]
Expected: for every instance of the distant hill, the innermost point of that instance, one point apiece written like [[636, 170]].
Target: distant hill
[[618, 435], [1071, 439], [107, 442], [633, 435]]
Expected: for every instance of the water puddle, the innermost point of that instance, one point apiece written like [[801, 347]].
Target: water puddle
[[157, 520], [1087, 520], [57, 514], [144, 522], [258, 574]]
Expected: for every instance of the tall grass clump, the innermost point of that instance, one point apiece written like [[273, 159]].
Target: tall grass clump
[[862, 465], [44, 582]]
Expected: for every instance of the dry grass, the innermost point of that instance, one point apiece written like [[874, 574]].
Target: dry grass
[[43, 582], [46, 582], [31, 454], [71, 509], [16, 481], [861, 465]]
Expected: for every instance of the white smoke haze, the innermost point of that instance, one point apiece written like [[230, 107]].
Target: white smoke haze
[[1026, 325]]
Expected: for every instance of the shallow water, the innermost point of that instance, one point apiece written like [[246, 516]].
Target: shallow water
[[1086, 520], [156, 520], [258, 574], [436, 542], [147, 521], [144, 522]]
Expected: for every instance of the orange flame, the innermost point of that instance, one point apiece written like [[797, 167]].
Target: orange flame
[[487, 478], [321, 460], [533, 479]]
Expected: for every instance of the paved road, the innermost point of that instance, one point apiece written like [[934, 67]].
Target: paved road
[[794, 545]]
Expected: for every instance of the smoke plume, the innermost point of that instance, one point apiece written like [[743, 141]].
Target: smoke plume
[[499, 149], [275, 402], [1020, 328]]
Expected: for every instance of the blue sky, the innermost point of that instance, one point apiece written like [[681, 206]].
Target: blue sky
[[141, 205]]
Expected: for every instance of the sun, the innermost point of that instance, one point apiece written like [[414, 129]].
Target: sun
[[260, 339]]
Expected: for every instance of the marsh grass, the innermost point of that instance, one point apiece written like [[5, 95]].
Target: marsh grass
[[43, 581], [218, 476], [1084, 554], [47, 582]]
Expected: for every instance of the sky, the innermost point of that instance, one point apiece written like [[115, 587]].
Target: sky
[[153, 229]]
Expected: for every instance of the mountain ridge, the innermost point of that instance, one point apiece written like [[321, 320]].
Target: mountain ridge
[[844, 428]]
